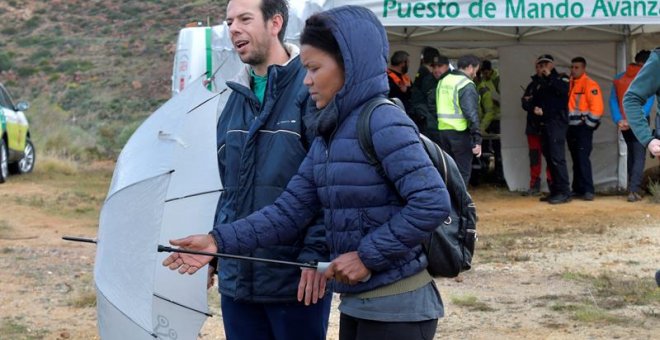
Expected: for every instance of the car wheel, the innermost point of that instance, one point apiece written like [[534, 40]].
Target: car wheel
[[26, 164], [4, 168]]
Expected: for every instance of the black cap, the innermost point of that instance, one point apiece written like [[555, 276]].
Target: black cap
[[486, 65], [545, 58], [431, 55]]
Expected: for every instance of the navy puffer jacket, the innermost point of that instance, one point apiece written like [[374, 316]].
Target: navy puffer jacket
[[363, 212]]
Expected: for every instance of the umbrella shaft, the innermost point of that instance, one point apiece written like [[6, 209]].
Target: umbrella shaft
[[237, 257], [78, 239]]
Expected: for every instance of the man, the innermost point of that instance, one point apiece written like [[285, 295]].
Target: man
[[457, 108], [489, 93], [433, 65], [533, 132], [635, 151], [549, 103], [641, 89], [399, 81], [262, 140], [488, 87], [585, 107]]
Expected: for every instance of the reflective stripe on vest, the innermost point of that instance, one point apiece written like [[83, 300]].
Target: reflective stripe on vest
[[450, 114], [577, 117]]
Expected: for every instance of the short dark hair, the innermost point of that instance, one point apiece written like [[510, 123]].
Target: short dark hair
[[579, 60], [270, 8], [430, 55], [398, 58], [486, 65], [317, 34], [467, 60], [642, 56]]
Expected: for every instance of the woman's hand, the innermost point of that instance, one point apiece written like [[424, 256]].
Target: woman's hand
[[189, 263], [312, 286], [348, 269]]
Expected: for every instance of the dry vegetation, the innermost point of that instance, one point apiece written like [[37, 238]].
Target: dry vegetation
[[579, 270]]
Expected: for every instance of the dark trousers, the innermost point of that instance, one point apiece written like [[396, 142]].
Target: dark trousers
[[535, 162], [351, 328], [580, 144], [458, 144], [275, 321], [636, 159], [553, 143]]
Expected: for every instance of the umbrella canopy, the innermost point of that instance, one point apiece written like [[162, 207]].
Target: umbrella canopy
[[165, 186]]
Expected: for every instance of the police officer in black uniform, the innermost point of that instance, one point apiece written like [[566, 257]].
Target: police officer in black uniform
[[550, 102]]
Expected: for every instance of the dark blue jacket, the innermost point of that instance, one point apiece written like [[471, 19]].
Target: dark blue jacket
[[363, 212], [260, 147]]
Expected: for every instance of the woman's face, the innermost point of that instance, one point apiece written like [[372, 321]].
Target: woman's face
[[324, 78]]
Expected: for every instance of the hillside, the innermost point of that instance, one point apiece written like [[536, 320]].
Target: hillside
[[92, 70]]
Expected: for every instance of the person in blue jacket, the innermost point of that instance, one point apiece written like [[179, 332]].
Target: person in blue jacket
[[374, 225], [636, 155], [262, 139], [643, 87]]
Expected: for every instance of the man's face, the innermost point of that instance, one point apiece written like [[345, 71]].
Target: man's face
[[404, 67], [577, 70], [439, 70], [546, 67], [539, 69], [471, 71], [250, 34], [486, 74]]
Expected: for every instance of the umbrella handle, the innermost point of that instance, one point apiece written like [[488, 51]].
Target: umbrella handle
[[321, 267]]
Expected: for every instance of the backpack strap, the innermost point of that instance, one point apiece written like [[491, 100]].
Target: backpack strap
[[434, 151], [364, 132]]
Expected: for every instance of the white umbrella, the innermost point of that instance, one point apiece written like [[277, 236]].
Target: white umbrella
[[165, 185]]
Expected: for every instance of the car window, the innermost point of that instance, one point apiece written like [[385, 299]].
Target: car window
[[5, 99]]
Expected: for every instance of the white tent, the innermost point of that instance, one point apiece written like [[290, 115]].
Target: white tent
[[606, 32]]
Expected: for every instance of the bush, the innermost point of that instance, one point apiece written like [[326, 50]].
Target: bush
[[5, 62]]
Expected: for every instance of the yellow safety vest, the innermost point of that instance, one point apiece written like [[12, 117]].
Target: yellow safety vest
[[450, 114]]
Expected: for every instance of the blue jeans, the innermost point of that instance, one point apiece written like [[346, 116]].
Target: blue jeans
[[275, 321]]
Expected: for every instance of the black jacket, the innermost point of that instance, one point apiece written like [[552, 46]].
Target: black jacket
[[533, 126], [423, 87], [551, 95]]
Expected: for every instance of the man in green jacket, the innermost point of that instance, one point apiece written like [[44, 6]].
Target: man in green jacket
[[646, 83]]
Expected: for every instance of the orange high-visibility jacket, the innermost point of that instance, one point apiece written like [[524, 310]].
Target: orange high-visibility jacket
[[585, 102]]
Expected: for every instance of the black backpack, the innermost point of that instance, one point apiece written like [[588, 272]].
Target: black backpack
[[450, 248]]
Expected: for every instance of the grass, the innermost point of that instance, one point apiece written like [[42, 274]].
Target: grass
[[472, 303], [5, 229], [16, 329], [612, 291], [654, 189], [85, 299]]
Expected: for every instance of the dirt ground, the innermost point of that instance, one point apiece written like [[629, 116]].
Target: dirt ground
[[581, 270]]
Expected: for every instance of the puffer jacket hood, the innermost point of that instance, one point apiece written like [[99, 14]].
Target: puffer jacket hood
[[365, 62]]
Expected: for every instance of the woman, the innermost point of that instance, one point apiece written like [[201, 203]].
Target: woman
[[374, 225]]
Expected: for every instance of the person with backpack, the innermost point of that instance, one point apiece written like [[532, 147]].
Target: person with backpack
[[375, 226]]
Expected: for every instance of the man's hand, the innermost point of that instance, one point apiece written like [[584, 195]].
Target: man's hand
[[476, 150], [654, 147], [623, 125], [311, 287], [348, 269], [189, 263], [538, 111]]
